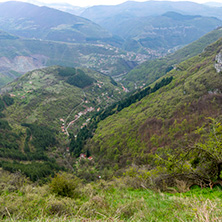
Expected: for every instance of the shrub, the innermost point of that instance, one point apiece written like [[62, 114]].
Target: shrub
[[65, 185]]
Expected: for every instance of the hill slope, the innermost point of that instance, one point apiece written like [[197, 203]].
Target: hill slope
[[151, 70], [165, 119], [30, 21], [46, 95], [19, 55], [40, 110]]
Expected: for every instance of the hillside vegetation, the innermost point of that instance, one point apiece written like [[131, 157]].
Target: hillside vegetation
[[73, 148], [41, 109], [150, 71], [102, 201], [18, 56], [164, 122]]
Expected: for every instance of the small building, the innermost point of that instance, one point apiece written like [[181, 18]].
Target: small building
[[82, 156]]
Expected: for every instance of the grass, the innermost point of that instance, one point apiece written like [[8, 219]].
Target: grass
[[105, 201]]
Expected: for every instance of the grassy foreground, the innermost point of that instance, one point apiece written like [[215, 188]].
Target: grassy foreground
[[104, 201]]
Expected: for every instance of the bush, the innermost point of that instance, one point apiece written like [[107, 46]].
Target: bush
[[65, 185], [8, 100]]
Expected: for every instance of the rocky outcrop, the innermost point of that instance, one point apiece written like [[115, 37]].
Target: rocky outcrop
[[23, 64], [218, 64]]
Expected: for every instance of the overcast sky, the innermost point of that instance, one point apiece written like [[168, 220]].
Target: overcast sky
[[101, 2]]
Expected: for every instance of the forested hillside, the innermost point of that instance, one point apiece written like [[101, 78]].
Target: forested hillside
[[84, 138], [166, 120], [39, 112], [149, 71], [154, 155]]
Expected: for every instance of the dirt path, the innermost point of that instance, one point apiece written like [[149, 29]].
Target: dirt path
[[65, 122]]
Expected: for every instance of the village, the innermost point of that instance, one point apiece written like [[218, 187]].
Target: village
[[87, 109]]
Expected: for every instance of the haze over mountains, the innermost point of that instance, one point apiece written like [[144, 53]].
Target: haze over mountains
[[124, 38], [96, 116]]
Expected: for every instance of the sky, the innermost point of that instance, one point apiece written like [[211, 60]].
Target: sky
[[84, 3]]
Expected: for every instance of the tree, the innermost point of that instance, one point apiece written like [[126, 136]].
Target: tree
[[201, 162]]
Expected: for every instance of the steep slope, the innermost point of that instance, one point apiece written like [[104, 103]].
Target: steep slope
[[151, 70], [165, 119], [30, 21]]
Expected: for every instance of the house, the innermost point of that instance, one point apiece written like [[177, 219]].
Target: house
[[90, 158], [82, 156], [84, 124]]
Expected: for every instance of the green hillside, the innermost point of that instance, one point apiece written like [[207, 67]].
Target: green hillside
[[164, 121], [155, 155], [46, 95], [150, 71], [42, 109]]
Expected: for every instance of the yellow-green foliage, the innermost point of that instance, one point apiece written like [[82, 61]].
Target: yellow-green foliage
[[107, 201], [165, 119], [65, 185]]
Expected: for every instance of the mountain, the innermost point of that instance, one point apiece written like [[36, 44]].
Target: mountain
[[31, 21], [155, 25], [19, 55], [150, 71], [213, 4], [164, 117], [161, 33], [75, 10], [99, 14], [39, 111]]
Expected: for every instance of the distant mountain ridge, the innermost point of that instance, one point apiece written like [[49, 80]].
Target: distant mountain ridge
[[149, 71], [31, 21], [149, 8], [156, 25]]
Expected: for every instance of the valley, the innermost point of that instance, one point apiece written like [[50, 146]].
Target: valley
[[112, 114]]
